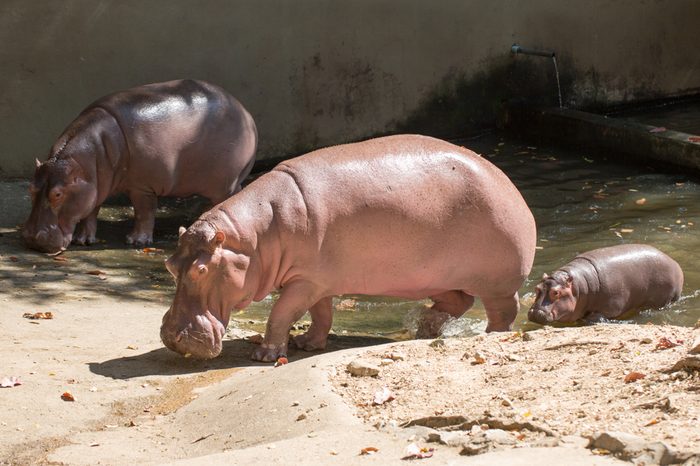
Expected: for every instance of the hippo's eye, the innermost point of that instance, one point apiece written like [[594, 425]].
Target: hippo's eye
[[554, 294], [202, 269]]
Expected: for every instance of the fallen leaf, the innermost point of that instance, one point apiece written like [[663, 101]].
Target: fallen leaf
[[368, 450], [695, 139], [281, 361], [383, 396], [38, 315], [641, 201], [634, 376], [657, 129], [626, 230], [60, 258], [9, 382], [665, 343], [94, 444], [413, 451], [151, 250], [95, 272], [652, 422], [14, 258], [132, 347], [67, 396]]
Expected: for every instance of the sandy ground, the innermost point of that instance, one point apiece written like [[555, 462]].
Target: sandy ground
[[135, 402]]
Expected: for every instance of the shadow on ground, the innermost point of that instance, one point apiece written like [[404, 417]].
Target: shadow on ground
[[235, 353]]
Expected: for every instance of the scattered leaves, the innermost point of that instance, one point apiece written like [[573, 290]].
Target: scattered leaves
[[38, 315], [368, 451], [634, 376], [67, 396]]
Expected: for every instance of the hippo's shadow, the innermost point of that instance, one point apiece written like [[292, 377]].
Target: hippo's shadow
[[235, 353]]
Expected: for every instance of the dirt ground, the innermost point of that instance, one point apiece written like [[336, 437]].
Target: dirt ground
[[98, 387]]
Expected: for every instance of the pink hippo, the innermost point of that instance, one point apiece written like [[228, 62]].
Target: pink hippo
[[407, 216]]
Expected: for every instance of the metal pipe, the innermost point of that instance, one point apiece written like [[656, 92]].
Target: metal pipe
[[515, 49]]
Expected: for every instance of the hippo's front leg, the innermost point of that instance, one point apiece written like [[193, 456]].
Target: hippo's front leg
[[293, 302], [86, 230], [501, 311], [145, 204], [321, 321]]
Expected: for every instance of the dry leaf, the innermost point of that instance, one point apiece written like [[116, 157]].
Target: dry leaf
[[695, 139], [38, 315], [641, 201], [368, 450], [60, 258], [652, 422], [14, 258], [281, 361], [255, 339], [95, 272], [66, 396], [665, 343], [151, 250], [657, 129], [626, 230], [413, 451], [634, 376]]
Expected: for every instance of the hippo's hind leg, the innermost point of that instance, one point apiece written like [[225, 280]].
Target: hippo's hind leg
[[145, 204], [501, 311], [321, 320], [445, 305], [86, 230]]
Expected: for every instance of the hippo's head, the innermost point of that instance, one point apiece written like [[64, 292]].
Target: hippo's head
[[555, 300], [211, 281], [61, 197]]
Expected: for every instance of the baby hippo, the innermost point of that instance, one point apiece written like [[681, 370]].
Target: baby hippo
[[176, 138], [607, 282]]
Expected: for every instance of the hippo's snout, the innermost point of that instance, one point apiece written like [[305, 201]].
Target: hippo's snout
[[200, 338], [540, 316], [50, 240]]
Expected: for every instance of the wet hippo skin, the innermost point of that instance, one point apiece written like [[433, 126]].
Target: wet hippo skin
[[607, 282], [407, 216], [176, 138]]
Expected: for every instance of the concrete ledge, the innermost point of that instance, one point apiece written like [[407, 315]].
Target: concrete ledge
[[629, 140]]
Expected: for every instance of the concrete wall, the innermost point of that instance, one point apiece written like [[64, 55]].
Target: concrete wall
[[315, 73]]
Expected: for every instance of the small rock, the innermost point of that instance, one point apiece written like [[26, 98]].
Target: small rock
[[360, 368], [688, 362], [634, 448], [472, 448], [695, 347], [386, 362], [499, 436], [451, 439], [616, 442], [301, 417]]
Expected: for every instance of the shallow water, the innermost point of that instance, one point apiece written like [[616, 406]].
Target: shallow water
[[580, 202]]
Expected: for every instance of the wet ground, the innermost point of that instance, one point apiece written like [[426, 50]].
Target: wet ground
[[676, 116], [580, 202]]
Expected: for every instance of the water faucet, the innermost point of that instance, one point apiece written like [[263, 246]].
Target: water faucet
[[515, 49]]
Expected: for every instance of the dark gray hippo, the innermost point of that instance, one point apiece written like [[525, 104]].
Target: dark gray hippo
[[176, 138], [607, 282]]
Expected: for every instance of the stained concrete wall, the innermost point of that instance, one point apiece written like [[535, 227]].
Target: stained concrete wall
[[315, 73]]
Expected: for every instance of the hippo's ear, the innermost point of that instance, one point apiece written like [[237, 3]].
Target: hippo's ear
[[37, 163], [569, 281], [219, 238], [181, 231], [544, 276]]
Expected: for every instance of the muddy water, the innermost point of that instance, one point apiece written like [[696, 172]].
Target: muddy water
[[580, 202]]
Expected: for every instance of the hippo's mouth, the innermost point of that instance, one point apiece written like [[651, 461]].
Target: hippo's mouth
[[201, 339], [540, 316]]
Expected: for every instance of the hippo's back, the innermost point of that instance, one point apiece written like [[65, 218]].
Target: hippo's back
[[183, 137], [638, 273], [416, 203]]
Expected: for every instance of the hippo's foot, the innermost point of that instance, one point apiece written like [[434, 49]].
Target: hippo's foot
[[430, 323], [139, 239], [309, 342], [84, 240], [268, 352]]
